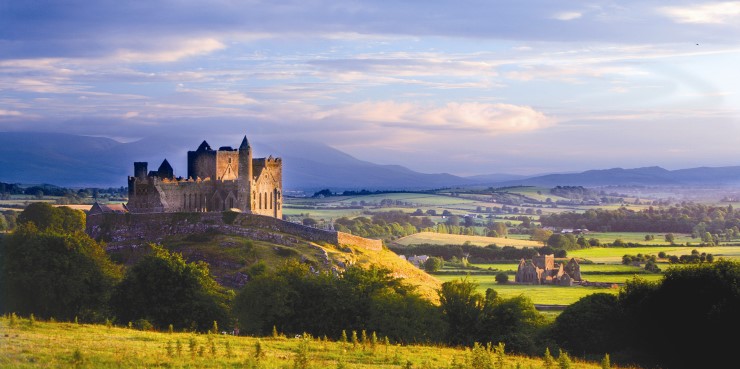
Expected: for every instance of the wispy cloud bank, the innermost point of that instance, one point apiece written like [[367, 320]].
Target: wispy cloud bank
[[711, 13], [477, 117]]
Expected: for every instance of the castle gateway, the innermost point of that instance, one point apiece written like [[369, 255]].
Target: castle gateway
[[217, 180]]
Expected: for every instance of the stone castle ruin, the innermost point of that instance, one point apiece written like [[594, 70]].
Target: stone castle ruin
[[226, 191], [542, 270], [218, 180]]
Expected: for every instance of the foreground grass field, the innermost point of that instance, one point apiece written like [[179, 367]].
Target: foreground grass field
[[37, 344]]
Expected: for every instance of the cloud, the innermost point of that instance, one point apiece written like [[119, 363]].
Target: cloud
[[567, 16], [9, 113], [470, 116], [711, 13], [170, 53]]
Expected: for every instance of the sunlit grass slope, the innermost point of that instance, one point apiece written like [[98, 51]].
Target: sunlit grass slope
[[69, 345]]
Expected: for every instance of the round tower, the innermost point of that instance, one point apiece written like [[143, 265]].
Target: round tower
[[246, 175]]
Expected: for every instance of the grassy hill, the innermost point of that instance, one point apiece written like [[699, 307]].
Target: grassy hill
[[38, 344], [231, 257]]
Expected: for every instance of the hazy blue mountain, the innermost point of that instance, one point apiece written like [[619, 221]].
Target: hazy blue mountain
[[76, 161], [312, 166], [646, 176], [70, 160], [496, 177]]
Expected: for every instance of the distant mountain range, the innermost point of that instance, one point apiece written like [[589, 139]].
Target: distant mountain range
[[81, 161]]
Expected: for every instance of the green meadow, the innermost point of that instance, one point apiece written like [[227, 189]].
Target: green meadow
[[539, 294], [36, 344]]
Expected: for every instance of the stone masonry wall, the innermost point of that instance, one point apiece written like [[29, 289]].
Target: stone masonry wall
[[117, 229]]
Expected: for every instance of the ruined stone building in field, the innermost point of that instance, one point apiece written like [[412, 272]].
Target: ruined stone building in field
[[217, 180], [542, 270]]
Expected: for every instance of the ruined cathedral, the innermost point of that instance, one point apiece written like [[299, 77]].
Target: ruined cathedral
[[217, 180]]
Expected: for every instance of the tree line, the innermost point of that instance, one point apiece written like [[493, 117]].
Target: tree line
[[475, 254], [696, 219]]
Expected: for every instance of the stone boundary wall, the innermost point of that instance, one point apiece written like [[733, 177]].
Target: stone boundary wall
[[130, 228]]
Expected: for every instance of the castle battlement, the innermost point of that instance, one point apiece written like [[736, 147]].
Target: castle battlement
[[217, 180]]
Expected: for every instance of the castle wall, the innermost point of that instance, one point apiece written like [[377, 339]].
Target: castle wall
[[126, 229], [202, 164], [267, 187], [227, 165]]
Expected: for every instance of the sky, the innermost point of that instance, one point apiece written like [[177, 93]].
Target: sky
[[462, 87]]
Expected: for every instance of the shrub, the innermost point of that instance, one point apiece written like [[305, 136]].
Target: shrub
[[502, 278]]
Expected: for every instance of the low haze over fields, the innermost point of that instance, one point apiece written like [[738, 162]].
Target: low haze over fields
[[465, 87]]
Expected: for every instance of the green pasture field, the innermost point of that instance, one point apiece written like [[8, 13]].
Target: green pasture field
[[617, 206], [621, 278], [68, 345], [539, 294], [639, 237], [613, 255], [322, 213], [454, 239], [419, 199], [531, 192]]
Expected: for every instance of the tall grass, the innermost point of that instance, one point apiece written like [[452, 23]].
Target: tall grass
[[67, 345]]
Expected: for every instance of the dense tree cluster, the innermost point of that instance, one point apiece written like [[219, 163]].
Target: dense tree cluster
[[67, 195], [383, 225], [697, 219], [51, 268], [46, 217], [474, 317], [575, 192], [165, 289], [294, 300], [685, 321]]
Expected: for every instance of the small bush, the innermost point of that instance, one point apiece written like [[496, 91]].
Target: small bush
[[143, 325]]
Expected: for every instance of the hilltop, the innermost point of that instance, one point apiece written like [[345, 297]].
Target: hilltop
[[236, 245]]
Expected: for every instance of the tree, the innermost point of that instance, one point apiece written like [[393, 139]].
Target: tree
[[709, 313], [165, 289], [499, 228], [310, 222], [323, 193], [501, 278], [541, 235], [462, 308], [670, 238], [51, 274], [590, 325], [562, 241], [433, 264], [47, 217], [296, 300], [514, 321]]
